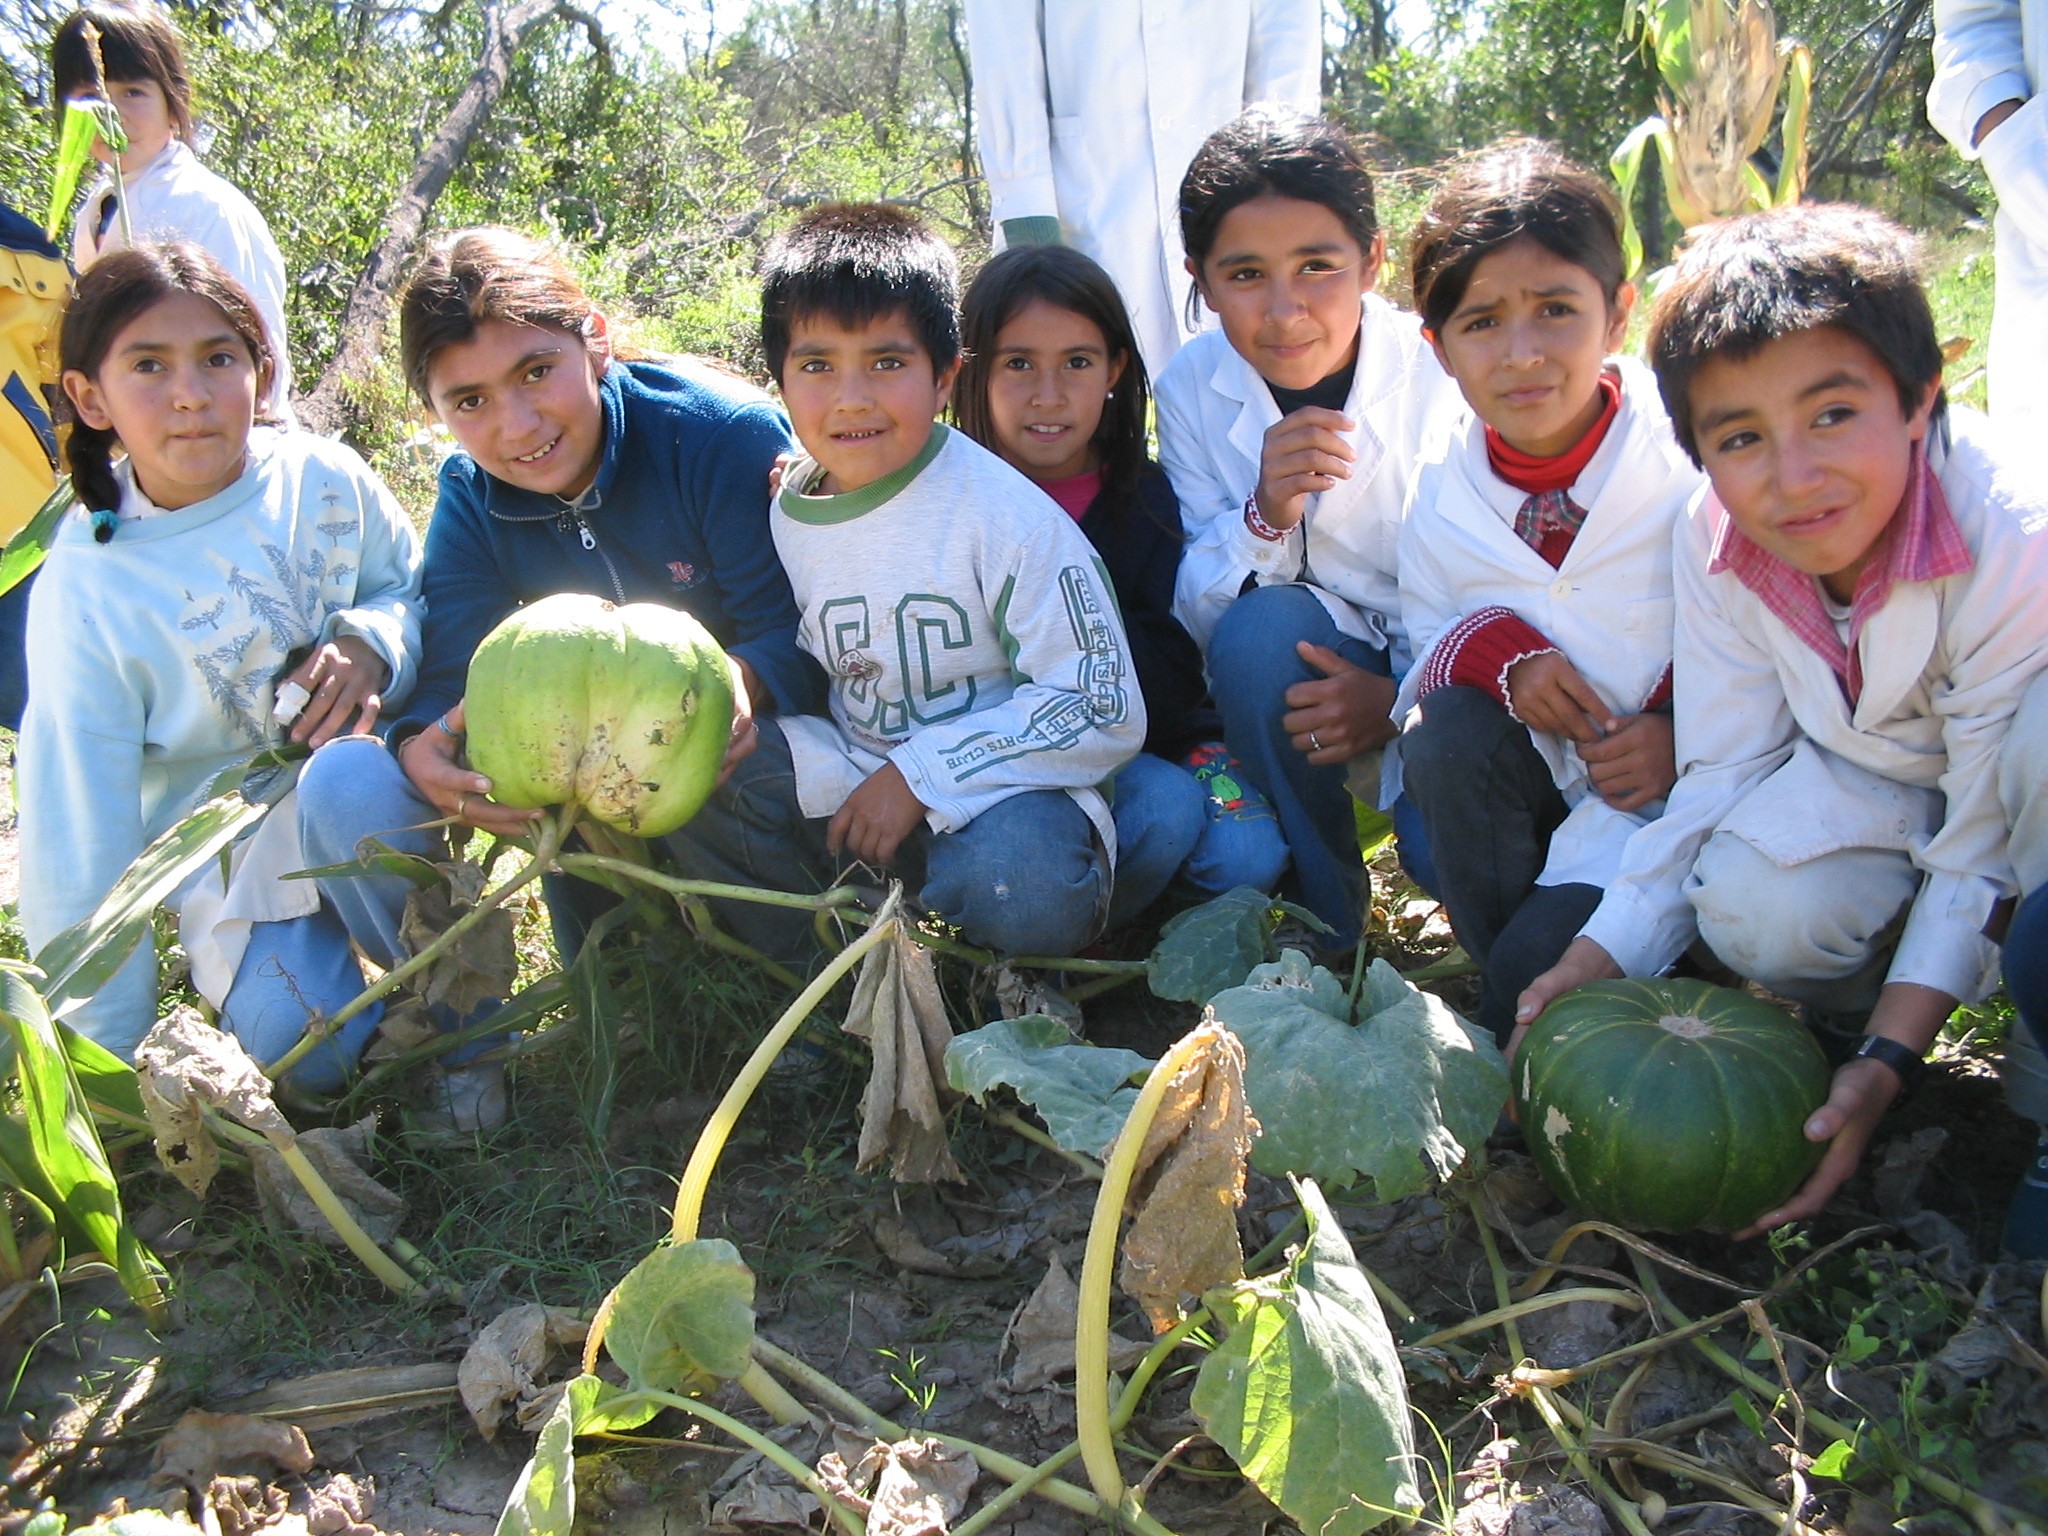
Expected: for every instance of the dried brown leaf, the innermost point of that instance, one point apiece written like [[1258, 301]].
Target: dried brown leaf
[[339, 1153], [504, 1364], [1189, 1183], [1043, 1334], [897, 1008], [911, 1488], [481, 966], [202, 1443], [184, 1066]]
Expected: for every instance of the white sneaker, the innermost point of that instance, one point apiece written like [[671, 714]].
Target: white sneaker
[[467, 1099]]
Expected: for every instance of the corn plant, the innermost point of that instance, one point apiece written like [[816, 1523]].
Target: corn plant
[[1722, 66]]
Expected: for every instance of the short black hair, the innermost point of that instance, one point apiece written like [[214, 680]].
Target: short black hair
[[136, 42], [1267, 149], [1518, 189], [853, 262], [1744, 283]]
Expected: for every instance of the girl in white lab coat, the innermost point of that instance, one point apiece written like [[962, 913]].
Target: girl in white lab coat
[[1292, 435], [1535, 566]]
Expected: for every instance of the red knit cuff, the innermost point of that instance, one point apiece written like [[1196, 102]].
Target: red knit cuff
[[1477, 651]]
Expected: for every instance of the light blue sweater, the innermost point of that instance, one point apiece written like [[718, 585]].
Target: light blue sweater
[[154, 659]]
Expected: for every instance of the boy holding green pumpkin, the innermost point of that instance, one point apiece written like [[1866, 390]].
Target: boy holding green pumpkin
[[1860, 613], [981, 683]]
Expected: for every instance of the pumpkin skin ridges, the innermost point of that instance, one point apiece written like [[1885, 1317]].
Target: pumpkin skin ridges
[[624, 711], [1637, 1124]]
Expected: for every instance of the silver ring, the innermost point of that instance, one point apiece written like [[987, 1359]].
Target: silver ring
[[462, 806], [1313, 744]]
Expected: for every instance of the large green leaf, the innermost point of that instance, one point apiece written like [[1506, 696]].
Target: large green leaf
[[81, 959], [1400, 1098], [543, 1501], [26, 549], [601, 1408], [74, 153], [1210, 947], [1306, 1394], [683, 1317], [1083, 1093], [64, 1142]]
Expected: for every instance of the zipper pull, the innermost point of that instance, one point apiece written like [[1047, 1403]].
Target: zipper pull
[[583, 532]]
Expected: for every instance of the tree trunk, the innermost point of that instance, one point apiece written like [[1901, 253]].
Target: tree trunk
[[506, 27]]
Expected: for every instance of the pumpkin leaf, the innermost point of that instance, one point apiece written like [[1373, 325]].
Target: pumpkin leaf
[[1305, 1393], [85, 956], [543, 1501], [683, 1317], [1083, 1093], [1211, 947], [599, 1408], [1434, 1088]]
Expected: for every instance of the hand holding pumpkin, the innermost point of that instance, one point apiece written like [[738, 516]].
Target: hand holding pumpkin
[[745, 734], [432, 761]]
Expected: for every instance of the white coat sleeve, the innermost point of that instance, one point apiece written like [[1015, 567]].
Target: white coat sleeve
[[1286, 62], [1429, 605], [1221, 550], [1006, 46], [79, 789], [2000, 644], [1734, 729], [1979, 61], [1075, 718], [388, 607]]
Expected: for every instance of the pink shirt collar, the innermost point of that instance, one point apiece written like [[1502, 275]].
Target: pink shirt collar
[[1922, 543]]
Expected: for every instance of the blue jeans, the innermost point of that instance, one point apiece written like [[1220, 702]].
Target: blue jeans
[[1025, 877], [2026, 963], [14, 652], [1159, 819], [1241, 843], [350, 789], [1252, 664]]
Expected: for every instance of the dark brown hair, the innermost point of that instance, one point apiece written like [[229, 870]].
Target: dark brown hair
[[477, 275], [1066, 279], [1519, 189], [137, 41], [112, 294], [1274, 150], [853, 262], [1744, 283]]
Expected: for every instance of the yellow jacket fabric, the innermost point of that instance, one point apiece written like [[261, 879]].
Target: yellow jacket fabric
[[34, 285]]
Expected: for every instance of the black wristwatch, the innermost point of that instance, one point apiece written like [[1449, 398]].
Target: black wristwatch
[[1904, 1061]]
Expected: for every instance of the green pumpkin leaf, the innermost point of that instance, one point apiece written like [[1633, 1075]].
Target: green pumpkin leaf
[[1306, 1393], [65, 1144], [81, 959], [683, 1317], [1401, 1098], [1083, 1093], [1210, 947], [1834, 1461], [543, 1501], [598, 1407], [25, 551]]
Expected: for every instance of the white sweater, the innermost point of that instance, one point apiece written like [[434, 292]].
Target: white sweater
[[970, 634], [1607, 607], [1944, 664], [153, 662], [174, 197]]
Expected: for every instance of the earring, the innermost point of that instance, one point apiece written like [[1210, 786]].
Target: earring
[[1109, 394]]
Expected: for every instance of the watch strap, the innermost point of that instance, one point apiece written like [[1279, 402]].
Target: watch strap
[[1904, 1061]]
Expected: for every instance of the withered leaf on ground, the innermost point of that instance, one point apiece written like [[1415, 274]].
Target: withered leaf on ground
[[479, 967], [1020, 994], [898, 1010], [504, 1364], [405, 1026], [339, 1153], [1190, 1182], [200, 1444], [1043, 1334], [184, 1066], [915, 1487]]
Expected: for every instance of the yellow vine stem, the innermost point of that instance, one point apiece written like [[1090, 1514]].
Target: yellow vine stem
[[1091, 1326], [321, 1193]]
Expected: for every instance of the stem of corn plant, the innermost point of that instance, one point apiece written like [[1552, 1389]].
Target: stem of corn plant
[[1091, 1325], [548, 840]]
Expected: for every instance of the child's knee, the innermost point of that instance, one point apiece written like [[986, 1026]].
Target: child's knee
[[1820, 921], [353, 788], [1457, 728], [1022, 879], [1252, 652]]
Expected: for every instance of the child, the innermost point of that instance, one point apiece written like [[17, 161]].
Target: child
[[981, 688], [1292, 436], [1535, 566], [171, 196], [1051, 380], [1859, 614], [214, 566]]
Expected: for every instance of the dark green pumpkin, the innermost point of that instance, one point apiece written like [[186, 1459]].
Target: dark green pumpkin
[[1669, 1105]]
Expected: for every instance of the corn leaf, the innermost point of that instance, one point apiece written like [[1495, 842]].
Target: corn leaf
[[1306, 1394], [66, 1144], [1626, 166], [74, 153], [81, 959], [1792, 132], [26, 549]]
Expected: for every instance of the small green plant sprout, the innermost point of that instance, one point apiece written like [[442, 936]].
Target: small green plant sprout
[[1722, 66], [906, 1372]]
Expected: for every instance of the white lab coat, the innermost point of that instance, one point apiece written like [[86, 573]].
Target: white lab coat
[[1090, 110], [1608, 607], [1986, 52], [174, 197], [1214, 410], [1944, 664]]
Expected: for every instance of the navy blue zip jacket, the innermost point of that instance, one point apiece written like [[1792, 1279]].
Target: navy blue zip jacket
[[679, 516]]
